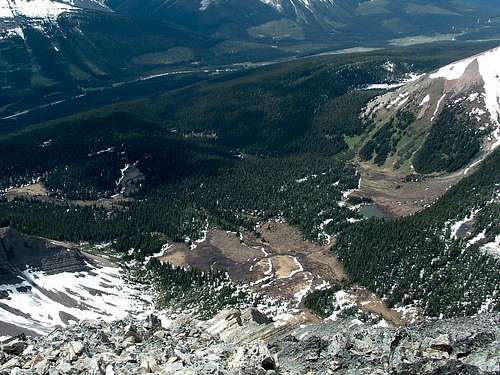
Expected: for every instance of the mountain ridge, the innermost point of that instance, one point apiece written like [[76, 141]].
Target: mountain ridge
[[181, 344], [161, 36], [46, 284], [468, 89], [19, 252]]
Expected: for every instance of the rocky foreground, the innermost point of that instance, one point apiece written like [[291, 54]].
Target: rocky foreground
[[247, 342]]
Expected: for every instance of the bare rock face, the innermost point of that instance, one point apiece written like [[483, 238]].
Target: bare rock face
[[455, 346], [240, 327], [253, 358], [468, 346], [18, 250], [14, 346]]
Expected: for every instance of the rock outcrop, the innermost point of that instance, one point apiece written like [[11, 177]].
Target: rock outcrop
[[182, 345], [46, 284], [19, 251], [455, 346]]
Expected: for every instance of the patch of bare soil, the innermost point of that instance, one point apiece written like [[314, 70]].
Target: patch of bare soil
[[286, 239], [33, 190], [400, 198], [38, 192], [277, 261], [371, 303], [131, 181], [233, 247], [176, 255], [285, 266]]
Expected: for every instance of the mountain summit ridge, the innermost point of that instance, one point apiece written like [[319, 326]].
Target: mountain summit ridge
[[44, 9], [463, 97], [183, 345], [489, 70]]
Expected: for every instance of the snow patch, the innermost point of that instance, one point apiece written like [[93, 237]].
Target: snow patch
[[411, 77], [108, 150], [343, 300], [269, 270], [306, 178], [11, 33], [389, 66], [101, 293], [204, 4], [299, 296], [425, 100], [492, 248], [481, 236], [489, 68], [40, 9]]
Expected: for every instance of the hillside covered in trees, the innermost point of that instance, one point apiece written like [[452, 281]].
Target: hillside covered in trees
[[417, 261], [234, 151]]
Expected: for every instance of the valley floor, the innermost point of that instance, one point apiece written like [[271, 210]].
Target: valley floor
[[279, 263], [398, 197]]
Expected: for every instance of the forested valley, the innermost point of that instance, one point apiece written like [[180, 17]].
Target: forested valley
[[236, 151]]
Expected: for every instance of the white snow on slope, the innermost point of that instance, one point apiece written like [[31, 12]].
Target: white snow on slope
[[425, 100], [343, 300], [5, 11], [101, 293], [278, 4], [481, 236], [455, 226], [410, 77], [13, 32], [309, 4], [274, 3], [300, 295], [492, 248], [204, 4], [489, 68], [33, 9]]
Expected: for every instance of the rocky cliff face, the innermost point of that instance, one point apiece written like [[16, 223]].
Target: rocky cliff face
[[45, 284], [182, 345], [19, 252]]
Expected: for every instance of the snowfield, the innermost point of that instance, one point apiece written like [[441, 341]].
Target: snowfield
[[308, 4], [42, 302], [489, 68], [492, 248], [45, 9]]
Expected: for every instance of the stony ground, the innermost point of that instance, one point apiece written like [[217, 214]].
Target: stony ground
[[247, 342]]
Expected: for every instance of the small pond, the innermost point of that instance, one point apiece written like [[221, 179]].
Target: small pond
[[374, 210]]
